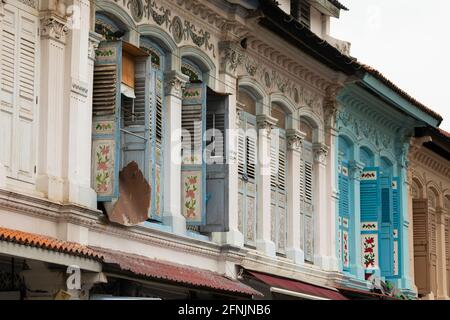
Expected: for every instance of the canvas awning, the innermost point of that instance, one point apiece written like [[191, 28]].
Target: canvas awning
[[297, 288]]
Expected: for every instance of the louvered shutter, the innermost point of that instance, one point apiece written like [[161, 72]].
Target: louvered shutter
[[217, 215], [135, 135], [247, 140], [344, 214], [156, 119], [106, 111], [18, 92], [396, 203], [386, 233], [307, 200], [370, 195], [421, 246], [193, 170], [278, 189]]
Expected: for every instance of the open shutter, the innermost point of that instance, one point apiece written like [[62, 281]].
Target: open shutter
[[421, 246], [193, 170], [307, 201], [217, 215], [18, 92], [106, 120], [247, 140], [156, 116]]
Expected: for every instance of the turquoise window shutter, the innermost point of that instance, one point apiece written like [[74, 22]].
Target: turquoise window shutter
[[370, 195]]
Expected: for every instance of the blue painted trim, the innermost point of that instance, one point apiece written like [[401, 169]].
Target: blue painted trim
[[400, 102]]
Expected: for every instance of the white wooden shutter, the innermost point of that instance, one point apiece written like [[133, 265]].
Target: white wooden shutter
[[18, 94], [307, 200]]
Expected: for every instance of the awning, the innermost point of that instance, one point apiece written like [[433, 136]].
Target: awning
[[172, 272], [354, 294], [297, 288]]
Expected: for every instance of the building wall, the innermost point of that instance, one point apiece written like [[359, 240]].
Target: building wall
[[60, 198], [430, 182]]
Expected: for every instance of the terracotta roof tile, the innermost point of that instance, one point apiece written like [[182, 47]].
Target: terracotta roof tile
[[339, 5], [46, 242], [169, 271], [136, 264]]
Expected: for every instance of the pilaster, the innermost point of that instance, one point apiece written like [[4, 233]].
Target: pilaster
[[295, 140], [263, 231], [50, 179], [174, 81]]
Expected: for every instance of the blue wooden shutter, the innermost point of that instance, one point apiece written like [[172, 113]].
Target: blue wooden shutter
[[156, 132], [370, 195], [386, 231], [217, 215], [193, 169], [344, 215], [106, 120], [396, 207]]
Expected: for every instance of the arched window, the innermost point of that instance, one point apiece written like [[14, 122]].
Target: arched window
[[345, 203], [204, 118], [247, 155], [278, 167], [306, 190], [108, 27]]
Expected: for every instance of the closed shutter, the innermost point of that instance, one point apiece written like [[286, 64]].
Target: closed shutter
[[247, 140], [106, 111], [370, 195], [18, 92], [396, 205], [193, 170], [217, 187], [307, 200], [278, 189], [344, 214], [421, 246]]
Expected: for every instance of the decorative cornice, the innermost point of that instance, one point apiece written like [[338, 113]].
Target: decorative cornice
[[421, 155], [174, 82], [54, 27]]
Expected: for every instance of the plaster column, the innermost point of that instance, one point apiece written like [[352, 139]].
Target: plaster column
[[332, 221], [264, 242], [321, 215], [406, 284], [227, 84], [2, 168], [77, 108], [50, 179], [442, 291], [294, 225], [172, 216], [356, 268]]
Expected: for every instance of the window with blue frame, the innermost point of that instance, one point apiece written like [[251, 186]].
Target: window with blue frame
[[128, 117], [204, 171]]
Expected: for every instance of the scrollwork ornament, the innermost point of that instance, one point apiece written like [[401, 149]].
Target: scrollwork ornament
[[137, 9], [54, 27], [177, 29]]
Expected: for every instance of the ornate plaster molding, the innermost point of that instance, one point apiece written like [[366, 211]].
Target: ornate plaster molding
[[295, 139], [356, 169], [54, 27], [266, 123], [94, 41], [320, 153], [174, 82]]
